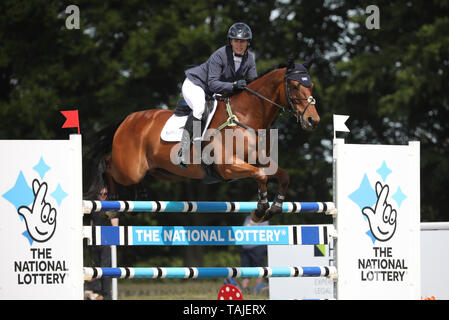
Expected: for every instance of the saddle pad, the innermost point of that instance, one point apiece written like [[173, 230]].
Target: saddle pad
[[173, 128]]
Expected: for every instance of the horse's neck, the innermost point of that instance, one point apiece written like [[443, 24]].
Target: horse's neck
[[254, 111]]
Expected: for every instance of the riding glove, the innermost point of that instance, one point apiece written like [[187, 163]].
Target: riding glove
[[239, 85]]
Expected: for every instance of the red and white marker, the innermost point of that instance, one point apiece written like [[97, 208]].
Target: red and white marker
[[230, 292]]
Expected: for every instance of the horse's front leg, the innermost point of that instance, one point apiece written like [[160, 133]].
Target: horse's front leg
[[283, 179], [257, 215], [242, 170]]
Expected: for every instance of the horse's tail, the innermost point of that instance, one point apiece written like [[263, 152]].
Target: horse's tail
[[100, 143], [94, 160]]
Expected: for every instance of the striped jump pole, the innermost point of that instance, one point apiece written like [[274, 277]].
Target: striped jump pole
[[207, 273], [202, 206], [208, 235]]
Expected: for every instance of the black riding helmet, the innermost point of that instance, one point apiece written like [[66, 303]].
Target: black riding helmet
[[240, 30]]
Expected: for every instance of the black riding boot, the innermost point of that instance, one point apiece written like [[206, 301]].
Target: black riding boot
[[187, 137]]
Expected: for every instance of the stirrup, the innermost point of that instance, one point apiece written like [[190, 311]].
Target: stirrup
[[181, 157], [183, 150], [186, 140]]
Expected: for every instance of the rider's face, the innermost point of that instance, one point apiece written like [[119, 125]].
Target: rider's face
[[239, 46]]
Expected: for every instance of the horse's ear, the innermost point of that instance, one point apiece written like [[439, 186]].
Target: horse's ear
[[291, 61], [308, 63]]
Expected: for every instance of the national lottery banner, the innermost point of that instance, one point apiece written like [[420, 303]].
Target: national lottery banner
[[208, 235], [378, 221], [41, 220]]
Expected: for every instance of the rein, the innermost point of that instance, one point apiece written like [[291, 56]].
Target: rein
[[310, 100], [257, 94], [233, 120]]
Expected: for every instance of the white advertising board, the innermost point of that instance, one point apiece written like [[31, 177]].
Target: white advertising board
[[377, 189], [434, 260], [41, 225], [299, 288]]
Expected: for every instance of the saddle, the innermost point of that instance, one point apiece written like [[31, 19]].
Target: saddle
[[173, 128], [182, 109]]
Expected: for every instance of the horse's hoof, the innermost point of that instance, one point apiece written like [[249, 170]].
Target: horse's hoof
[[270, 212], [257, 216]]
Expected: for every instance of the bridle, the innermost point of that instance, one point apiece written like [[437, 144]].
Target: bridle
[[310, 100], [290, 100], [234, 121]]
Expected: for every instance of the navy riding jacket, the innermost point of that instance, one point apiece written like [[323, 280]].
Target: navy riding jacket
[[218, 73]]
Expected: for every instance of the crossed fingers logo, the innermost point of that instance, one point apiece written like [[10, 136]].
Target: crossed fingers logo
[[382, 219], [40, 219]]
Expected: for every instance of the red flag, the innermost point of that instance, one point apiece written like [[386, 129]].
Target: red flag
[[72, 119]]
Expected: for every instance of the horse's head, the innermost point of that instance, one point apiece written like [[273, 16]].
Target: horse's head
[[299, 94]]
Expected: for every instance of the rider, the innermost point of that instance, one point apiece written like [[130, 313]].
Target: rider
[[224, 72]]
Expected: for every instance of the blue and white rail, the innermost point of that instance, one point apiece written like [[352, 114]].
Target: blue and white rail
[[203, 273], [90, 206]]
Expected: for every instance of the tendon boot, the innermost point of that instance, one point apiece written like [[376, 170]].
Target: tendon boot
[[188, 135]]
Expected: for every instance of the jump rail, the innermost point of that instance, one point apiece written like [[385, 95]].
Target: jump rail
[[90, 206], [203, 273]]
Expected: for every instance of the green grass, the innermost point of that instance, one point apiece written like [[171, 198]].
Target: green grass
[[177, 289]]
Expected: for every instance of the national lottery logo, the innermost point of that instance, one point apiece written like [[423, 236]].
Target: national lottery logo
[[35, 205], [379, 209], [36, 197], [380, 202], [40, 218], [382, 219]]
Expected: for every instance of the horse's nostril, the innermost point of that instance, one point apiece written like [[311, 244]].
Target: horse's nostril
[[311, 121]]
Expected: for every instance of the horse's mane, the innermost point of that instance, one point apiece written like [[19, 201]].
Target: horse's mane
[[279, 66], [275, 67], [289, 65]]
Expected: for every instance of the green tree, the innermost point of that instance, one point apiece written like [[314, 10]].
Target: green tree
[[393, 84]]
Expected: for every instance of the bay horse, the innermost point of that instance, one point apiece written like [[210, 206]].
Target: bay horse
[[138, 149]]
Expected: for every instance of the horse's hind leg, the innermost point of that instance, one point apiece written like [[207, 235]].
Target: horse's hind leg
[[112, 186]]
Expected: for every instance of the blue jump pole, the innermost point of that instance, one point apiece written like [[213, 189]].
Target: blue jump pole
[[202, 206], [203, 273]]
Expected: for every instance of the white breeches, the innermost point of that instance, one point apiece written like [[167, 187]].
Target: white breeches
[[195, 97]]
